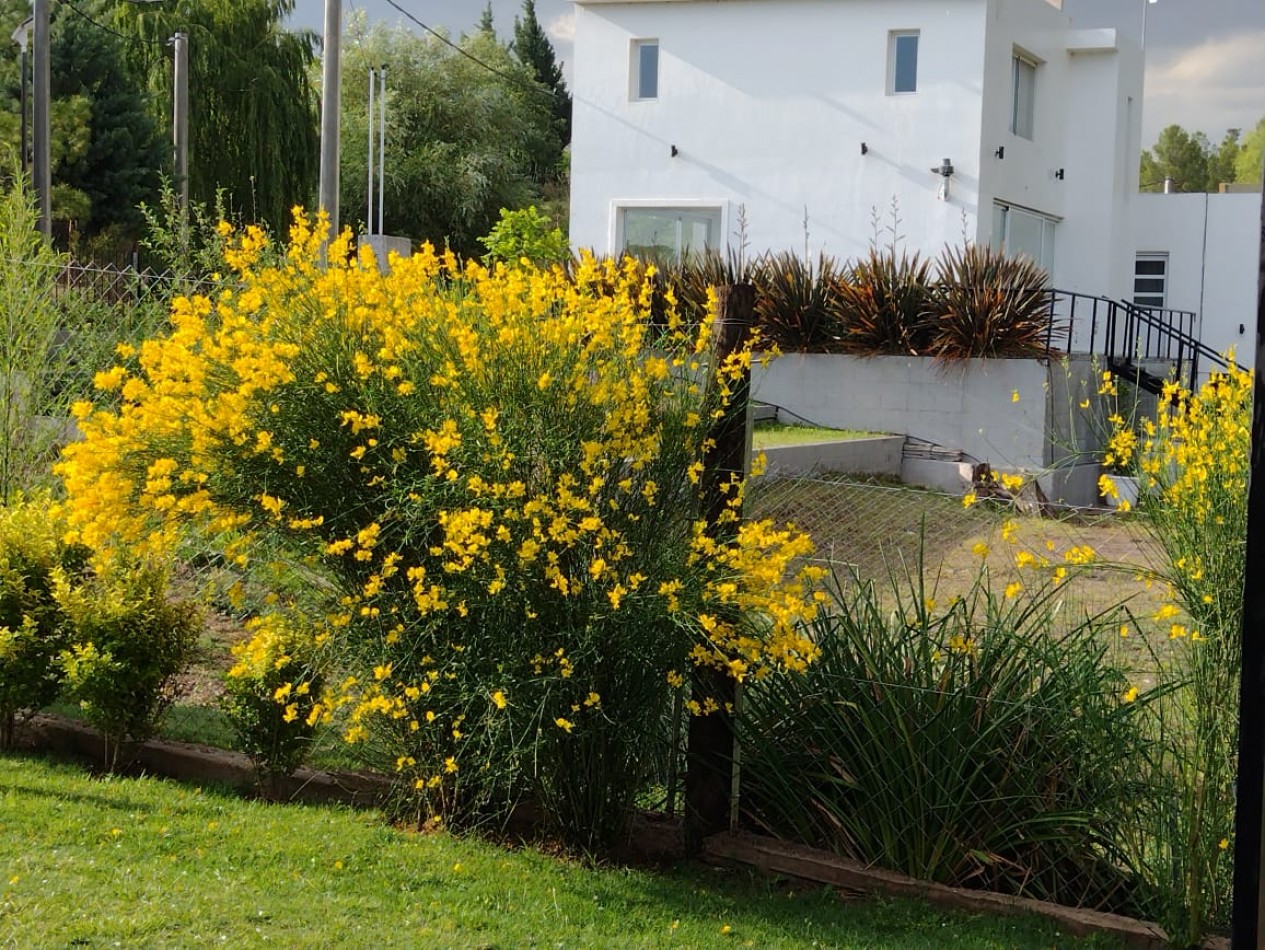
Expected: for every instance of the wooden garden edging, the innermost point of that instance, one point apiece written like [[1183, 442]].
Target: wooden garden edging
[[822, 867]]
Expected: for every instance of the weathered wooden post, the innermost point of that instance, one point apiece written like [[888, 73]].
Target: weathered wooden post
[[1247, 929], [709, 753]]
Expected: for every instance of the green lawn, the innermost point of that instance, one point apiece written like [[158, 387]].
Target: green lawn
[[107, 861], [768, 434]]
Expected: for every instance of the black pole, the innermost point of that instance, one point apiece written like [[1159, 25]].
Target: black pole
[[26, 153], [709, 760], [1247, 926]]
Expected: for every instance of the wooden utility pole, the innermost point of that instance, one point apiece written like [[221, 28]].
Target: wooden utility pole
[[42, 174], [331, 83], [709, 775], [1247, 927]]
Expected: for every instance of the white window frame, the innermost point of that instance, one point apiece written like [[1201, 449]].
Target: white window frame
[[634, 68], [1023, 101], [1148, 257], [893, 39], [620, 205]]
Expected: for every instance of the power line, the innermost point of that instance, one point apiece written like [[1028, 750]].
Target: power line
[[99, 26], [508, 77]]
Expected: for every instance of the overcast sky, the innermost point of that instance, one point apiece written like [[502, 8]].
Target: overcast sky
[[1205, 58]]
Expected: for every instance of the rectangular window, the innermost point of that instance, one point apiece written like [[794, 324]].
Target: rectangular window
[[1022, 233], [1024, 98], [668, 234], [1150, 280], [645, 69], [902, 62]]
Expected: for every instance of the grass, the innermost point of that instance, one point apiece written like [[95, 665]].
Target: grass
[[769, 434], [95, 861]]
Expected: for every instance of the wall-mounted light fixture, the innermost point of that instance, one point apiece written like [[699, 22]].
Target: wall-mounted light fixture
[[945, 170], [999, 152], [865, 149], [675, 151], [1058, 173]]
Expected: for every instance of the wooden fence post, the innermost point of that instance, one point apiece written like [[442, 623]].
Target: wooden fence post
[[710, 744]]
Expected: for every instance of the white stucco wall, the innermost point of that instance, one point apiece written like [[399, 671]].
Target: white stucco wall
[[1213, 247], [769, 109]]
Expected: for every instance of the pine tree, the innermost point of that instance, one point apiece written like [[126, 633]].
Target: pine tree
[[533, 49], [486, 25]]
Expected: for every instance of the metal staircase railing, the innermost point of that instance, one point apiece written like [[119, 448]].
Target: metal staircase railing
[[1130, 339]]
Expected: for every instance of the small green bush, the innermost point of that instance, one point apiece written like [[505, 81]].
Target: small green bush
[[30, 621], [271, 694], [526, 233], [127, 644]]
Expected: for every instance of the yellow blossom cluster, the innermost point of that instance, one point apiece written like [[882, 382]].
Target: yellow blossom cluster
[[501, 469]]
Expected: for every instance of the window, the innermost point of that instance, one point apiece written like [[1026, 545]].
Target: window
[[645, 69], [902, 62], [1022, 233], [666, 234], [1150, 280], [1024, 99]]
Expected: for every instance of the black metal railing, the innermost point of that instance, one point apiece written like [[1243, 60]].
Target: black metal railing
[[1138, 342]]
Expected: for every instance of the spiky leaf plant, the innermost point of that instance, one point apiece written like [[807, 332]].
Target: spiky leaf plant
[[796, 302], [990, 305], [883, 304]]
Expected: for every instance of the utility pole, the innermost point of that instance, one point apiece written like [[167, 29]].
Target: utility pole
[[43, 169], [382, 153], [373, 81], [331, 74], [180, 118], [1247, 924]]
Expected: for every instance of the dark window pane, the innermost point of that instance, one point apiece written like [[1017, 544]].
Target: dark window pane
[[1151, 266], [1148, 285], [648, 71], [905, 63]]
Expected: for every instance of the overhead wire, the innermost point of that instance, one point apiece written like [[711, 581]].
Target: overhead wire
[[508, 77]]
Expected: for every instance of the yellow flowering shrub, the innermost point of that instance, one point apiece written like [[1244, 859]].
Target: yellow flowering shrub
[[272, 694], [499, 471]]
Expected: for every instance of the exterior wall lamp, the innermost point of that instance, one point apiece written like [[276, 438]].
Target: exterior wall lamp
[[945, 171]]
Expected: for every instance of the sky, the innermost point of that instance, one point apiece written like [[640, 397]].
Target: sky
[[1204, 57]]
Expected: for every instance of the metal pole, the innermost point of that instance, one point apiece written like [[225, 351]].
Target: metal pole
[[382, 152], [43, 165], [373, 78], [1247, 925], [331, 85], [180, 116], [26, 133]]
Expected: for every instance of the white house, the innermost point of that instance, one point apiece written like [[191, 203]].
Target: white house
[[993, 120]]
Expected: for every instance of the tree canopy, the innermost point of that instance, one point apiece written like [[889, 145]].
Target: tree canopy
[[534, 50], [464, 130], [253, 111], [1193, 163]]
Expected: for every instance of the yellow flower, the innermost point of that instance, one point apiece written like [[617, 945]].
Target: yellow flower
[[1014, 395], [1013, 589], [499, 700], [969, 499], [1130, 695], [564, 724]]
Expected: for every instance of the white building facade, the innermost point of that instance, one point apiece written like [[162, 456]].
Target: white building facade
[[812, 125]]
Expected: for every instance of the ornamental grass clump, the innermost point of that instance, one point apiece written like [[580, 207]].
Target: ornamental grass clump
[[496, 474], [987, 742]]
